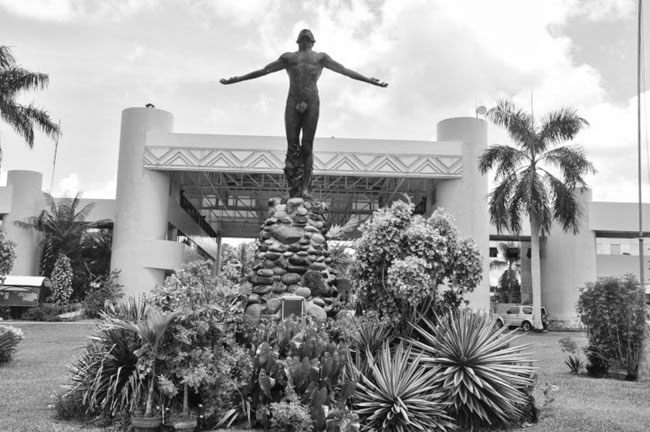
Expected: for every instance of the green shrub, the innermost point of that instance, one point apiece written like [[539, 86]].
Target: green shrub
[[7, 255], [70, 406], [485, 376], [402, 259], [61, 280], [289, 415], [574, 361], [400, 394], [613, 310], [103, 290], [44, 312], [300, 354], [10, 337]]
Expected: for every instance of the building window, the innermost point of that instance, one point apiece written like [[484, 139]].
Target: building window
[[617, 246]]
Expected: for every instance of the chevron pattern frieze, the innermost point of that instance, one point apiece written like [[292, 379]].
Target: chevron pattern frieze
[[325, 163]]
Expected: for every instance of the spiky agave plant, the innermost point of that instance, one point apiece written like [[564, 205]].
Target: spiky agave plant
[[484, 374], [400, 394]]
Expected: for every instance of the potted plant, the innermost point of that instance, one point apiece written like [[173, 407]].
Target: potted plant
[[151, 331]]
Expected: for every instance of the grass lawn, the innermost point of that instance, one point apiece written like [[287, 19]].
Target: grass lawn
[[582, 404]]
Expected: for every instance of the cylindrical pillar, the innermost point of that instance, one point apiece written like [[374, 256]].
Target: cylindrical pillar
[[568, 261], [466, 198], [141, 202], [26, 201]]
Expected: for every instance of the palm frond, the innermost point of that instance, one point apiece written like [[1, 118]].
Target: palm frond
[[517, 123], [505, 159], [572, 162], [566, 207], [7, 59], [14, 80], [561, 125]]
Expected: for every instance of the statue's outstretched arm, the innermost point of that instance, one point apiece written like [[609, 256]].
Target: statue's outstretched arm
[[275, 66], [337, 67]]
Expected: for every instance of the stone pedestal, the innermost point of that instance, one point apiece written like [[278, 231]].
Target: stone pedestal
[[293, 259]]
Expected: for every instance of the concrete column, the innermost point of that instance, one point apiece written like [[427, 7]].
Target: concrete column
[[26, 201], [141, 204], [466, 198], [568, 261]]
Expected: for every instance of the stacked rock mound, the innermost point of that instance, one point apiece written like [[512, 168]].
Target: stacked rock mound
[[292, 259]]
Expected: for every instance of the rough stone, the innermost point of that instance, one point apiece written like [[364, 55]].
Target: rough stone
[[286, 234], [318, 301], [279, 287], [273, 255], [265, 235], [304, 241], [291, 278], [278, 270], [299, 261], [316, 224], [277, 248], [262, 248], [280, 208], [296, 269], [300, 220], [292, 288], [303, 292], [287, 254], [269, 264], [261, 280], [276, 278], [253, 313], [265, 272], [316, 312], [302, 253], [293, 203], [320, 258], [311, 229], [262, 289], [273, 305], [294, 247], [302, 211], [271, 221], [253, 298], [286, 220], [317, 266], [318, 239]]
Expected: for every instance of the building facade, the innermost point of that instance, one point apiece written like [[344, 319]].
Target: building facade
[[179, 194]]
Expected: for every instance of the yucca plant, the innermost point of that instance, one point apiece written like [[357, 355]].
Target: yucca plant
[[575, 364], [400, 394], [484, 374]]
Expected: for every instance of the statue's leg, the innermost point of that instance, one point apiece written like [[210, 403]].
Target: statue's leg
[[293, 161], [310, 122]]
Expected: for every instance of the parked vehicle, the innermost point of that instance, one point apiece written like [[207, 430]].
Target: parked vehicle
[[519, 316]]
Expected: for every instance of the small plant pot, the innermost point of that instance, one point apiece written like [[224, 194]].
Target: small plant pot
[[185, 424], [146, 424]]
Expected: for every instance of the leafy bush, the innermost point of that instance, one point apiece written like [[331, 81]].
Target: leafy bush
[[401, 394], [485, 376], [61, 280], [299, 354], [613, 310], [44, 312], [10, 337], [403, 258], [290, 415], [103, 290], [7, 256], [201, 353]]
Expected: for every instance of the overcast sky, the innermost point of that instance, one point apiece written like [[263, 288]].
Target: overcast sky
[[441, 58]]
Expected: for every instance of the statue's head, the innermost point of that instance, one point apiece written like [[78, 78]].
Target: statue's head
[[305, 34]]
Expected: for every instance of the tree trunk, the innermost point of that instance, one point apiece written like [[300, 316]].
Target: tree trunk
[[536, 273]]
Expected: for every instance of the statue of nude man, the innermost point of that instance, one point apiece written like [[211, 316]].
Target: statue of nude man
[[303, 104]]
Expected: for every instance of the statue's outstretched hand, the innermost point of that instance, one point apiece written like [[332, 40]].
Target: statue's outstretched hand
[[378, 83], [227, 81]]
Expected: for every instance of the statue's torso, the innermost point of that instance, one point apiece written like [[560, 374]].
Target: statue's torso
[[304, 69]]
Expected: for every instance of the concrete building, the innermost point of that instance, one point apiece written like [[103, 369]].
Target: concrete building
[[179, 194]]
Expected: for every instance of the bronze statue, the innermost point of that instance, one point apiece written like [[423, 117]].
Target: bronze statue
[[301, 113]]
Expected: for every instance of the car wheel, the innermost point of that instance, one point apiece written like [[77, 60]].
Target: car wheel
[[525, 326]]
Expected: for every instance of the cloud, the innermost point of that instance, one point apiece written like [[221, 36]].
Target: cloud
[[70, 185], [74, 10]]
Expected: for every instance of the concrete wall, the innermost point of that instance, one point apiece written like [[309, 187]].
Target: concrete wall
[[465, 198], [140, 250], [568, 262]]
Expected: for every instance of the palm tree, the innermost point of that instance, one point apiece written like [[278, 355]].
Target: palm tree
[[526, 177], [509, 289], [64, 228], [13, 81]]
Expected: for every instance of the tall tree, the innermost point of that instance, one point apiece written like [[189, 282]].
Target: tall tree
[[536, 177], [14, 80]]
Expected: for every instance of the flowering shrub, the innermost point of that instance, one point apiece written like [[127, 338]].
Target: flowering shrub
[[7, 256], [62, 280], [402, 258], [10, 337]]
